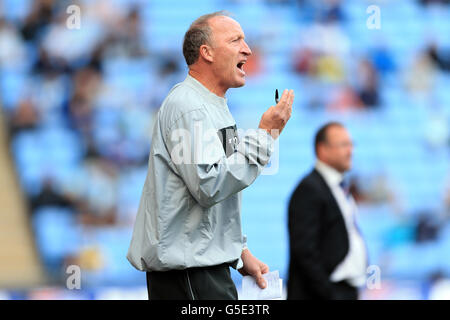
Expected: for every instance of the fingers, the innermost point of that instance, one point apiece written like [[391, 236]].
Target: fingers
[[290, 102], [291, 98], [287, 98], [260, 280], [285, 106], [276, 117], [264, 268], [284, 97]]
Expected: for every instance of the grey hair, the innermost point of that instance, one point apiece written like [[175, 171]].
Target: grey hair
[[198, 34]]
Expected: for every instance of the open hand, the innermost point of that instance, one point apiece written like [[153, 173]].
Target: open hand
[[276, 117]]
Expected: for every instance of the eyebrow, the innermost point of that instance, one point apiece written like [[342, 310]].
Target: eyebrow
[[236, 37]]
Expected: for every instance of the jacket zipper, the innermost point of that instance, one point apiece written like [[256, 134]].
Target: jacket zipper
[[189, 285]]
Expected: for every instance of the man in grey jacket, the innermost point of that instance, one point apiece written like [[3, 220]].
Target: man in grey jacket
[[188, 231]]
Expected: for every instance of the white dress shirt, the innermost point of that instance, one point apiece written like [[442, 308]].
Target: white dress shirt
[[353, 267]]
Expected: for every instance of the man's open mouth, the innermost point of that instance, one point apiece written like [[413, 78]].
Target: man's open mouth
[[240, 66]]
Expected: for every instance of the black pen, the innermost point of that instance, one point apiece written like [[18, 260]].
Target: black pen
[[276, 96]]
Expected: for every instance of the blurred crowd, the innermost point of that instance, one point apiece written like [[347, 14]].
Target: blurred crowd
[[99, 86], [67, 89]]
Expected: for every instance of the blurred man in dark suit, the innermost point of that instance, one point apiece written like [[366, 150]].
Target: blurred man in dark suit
[[328, 257]]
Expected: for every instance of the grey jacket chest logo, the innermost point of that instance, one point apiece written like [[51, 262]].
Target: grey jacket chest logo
[[229, 138]]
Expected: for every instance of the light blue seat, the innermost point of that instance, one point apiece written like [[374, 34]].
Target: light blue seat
[[57, 235], [12, 86], [414, 261], [16, 10]]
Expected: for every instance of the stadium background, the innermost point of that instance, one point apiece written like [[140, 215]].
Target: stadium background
[[77, 107]]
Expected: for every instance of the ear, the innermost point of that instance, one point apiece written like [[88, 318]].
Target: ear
[[206, 52], [320, 152]]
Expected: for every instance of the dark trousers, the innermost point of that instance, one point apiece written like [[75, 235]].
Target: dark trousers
[[200, 283], [344, 291], [341, 290]]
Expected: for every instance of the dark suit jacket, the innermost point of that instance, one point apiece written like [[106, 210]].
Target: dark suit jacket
[[318, 239]]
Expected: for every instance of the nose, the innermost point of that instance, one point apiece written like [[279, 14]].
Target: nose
[[246, 49]]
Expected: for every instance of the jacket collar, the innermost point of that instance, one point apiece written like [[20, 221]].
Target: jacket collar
[[210, 97], [330, 175]]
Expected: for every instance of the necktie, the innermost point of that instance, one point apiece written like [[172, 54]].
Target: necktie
[[346, 188]]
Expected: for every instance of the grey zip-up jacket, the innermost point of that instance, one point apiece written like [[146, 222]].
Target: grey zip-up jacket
[[190, 209]]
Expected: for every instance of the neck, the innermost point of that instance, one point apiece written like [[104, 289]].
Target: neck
[[208, 81], [331, 166]]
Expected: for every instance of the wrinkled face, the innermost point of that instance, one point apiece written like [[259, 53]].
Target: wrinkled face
[[229, 52], [337, 150]]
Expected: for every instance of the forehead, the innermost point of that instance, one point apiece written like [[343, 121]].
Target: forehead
[[335, 133], [223, 27]]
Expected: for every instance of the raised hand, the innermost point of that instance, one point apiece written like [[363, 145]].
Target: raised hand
[[276, 117]]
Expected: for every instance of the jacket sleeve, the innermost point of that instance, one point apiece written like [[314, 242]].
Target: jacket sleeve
[[304, 226], [199, 158]]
